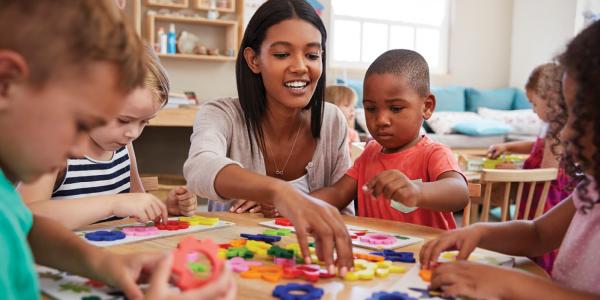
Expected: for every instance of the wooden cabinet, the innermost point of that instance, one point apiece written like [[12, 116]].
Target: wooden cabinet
[[221, 33]]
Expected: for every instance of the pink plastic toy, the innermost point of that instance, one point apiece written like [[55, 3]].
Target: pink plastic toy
[[239, 265], [140, 230], [378, 239]]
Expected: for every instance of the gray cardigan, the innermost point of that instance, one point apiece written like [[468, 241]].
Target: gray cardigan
[[220, 138]]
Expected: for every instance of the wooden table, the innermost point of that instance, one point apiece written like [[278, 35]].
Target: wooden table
[[334, 288]]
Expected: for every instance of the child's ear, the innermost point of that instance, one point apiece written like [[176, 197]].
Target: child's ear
[[428, 106], [13, 69], [252, 60]]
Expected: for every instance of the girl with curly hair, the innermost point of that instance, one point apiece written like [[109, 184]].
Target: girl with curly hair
[[544, 90], [572, 225]]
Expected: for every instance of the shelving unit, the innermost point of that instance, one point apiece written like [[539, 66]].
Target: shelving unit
[[224, 34], [201, 5], [183, 4]]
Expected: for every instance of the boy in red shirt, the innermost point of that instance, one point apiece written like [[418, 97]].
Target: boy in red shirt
[[401, 175]]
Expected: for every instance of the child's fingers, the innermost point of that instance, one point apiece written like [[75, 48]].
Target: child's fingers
[[181, 190], [465, 248], [160, 275], [256, 209], [236, 205], [245, 207]]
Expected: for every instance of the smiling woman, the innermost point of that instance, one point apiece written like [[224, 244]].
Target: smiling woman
[[279, 140]]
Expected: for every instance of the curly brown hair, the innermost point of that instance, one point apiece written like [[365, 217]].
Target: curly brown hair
[[546, 82], [582, 63]]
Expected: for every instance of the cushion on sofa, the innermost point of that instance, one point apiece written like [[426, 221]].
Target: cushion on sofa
[[482, 127], [521, 101], [356, 85], [450, 98], [523, 121], [491, 98], [441, 122]]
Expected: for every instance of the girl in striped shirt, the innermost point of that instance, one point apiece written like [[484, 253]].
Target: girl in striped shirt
[[105, 183]]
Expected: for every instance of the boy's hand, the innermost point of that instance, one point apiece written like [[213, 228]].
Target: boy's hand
[[464, 240], [241, 206], [181, 202], [472, 280], [394, 185], [141, 206], [496, 150]]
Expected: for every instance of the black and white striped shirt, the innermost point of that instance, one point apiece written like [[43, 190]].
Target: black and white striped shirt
[[86, 177]]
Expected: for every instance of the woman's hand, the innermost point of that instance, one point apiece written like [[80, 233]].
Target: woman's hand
[[319, 219], [464, 240], [241, 206]]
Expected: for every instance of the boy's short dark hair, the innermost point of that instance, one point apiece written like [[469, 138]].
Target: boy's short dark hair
[[403, 62]]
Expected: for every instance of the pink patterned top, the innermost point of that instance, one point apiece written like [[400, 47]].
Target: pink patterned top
[[578, 263]]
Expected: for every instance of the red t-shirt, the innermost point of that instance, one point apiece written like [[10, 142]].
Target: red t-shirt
[[426, 160]]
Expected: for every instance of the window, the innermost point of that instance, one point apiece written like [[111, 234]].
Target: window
[[363, 29]]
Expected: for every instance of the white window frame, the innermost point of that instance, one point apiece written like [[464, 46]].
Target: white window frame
[[444, 29]]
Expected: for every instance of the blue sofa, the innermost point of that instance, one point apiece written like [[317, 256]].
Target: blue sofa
[[463, 99]]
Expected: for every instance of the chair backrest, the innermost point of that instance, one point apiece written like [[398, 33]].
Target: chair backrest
[[507, 178], [150, 183], [474, 192]]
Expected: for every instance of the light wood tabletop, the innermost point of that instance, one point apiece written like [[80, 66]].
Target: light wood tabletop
[[334, 288]]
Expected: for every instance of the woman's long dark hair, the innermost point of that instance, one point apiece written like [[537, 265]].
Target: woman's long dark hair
[[582, 62], [251, 90]]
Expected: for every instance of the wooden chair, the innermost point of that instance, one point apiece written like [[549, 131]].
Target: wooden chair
[[474, 192], [150, 184], [506, 178]]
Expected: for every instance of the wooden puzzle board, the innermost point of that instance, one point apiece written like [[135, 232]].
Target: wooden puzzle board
[[60, 285], [161, 233], [401, 240]]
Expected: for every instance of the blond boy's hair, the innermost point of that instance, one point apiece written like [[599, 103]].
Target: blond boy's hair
[[156, 79], [340, 95], [64, 37]]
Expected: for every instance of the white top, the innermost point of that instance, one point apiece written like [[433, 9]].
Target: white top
[[301, 183], [220, 138]]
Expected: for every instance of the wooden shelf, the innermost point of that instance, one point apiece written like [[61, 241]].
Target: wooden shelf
[[175, 117], [191, 20], [221, 10], [198, 57], [184, 4], [202, 6]]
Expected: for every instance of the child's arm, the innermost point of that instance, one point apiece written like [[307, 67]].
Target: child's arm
[[54, 246], [448, 193], [136, 181], [38, 190], [480, 281], [340, 194], [74, 213], [523, 238], [521, 147]]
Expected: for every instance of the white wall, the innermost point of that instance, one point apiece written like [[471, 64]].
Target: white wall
[[540, 31], [479, 49], [493, 43]]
